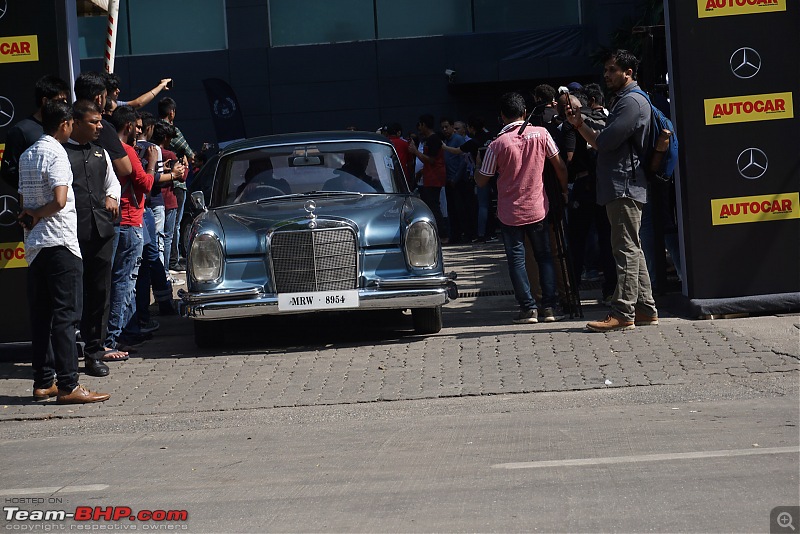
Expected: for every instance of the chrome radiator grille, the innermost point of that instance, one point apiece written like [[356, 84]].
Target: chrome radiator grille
[[314, 260]]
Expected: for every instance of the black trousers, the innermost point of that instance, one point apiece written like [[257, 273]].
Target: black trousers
[[430, 196], [581, 219], [55, 280], [461, 210], [97, 260]]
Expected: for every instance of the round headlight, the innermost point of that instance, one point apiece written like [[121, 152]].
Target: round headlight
[[422, 247], [205, 258]]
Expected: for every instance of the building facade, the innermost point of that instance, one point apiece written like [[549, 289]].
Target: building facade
[[299, 65]]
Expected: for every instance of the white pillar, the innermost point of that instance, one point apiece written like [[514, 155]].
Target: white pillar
[[111, 34]]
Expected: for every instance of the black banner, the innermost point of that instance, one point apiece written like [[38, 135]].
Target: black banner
[[225, 110], [33, 43], [734, 85]]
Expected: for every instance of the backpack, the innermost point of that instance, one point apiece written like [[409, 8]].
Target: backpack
[[659, 164]]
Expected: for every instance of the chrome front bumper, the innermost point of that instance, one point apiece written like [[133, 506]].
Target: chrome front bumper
[[383, 295]]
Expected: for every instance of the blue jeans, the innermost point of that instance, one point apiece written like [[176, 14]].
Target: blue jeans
[[159, 215], [483, 209], [514, 241], [152, 273], [169, 231], [123, 281], [175, 253]]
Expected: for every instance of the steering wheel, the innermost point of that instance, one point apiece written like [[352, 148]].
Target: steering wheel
[[264, 191]]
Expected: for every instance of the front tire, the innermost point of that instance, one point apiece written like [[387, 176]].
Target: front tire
[[427, 320]]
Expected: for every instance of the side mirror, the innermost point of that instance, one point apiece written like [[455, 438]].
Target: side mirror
[[199, 201]]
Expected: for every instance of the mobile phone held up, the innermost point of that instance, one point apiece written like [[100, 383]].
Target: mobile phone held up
[[169, 85], [26, 220], [567, 105]]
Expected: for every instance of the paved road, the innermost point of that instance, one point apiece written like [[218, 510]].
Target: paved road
[[355, 358], [689, 426]]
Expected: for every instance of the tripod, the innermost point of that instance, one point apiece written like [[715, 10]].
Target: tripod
[[559, 223]]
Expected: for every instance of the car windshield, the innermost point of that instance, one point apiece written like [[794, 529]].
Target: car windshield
[[353, 167]]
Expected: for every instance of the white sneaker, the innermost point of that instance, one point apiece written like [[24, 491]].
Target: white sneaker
[[176, 281]]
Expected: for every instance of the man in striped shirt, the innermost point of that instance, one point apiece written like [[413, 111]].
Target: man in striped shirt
[[55, 282], [522, 205]]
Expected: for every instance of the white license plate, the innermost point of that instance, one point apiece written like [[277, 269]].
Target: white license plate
[[317, 300]]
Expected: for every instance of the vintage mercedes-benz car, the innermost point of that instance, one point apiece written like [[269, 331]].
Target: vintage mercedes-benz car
[[306, 223]]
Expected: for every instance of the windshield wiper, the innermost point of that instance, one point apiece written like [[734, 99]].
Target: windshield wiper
[[310, 194]]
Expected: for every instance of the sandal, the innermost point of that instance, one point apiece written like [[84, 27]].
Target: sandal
[[110, 355]]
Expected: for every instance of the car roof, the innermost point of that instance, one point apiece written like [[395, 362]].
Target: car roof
[[304, 137]]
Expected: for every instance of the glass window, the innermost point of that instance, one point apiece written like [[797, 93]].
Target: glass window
[[418, 18], [353, 167], [157, 27], [295, 22], [510, 15], [165, 26]]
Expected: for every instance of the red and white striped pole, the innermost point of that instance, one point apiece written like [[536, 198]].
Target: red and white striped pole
[[111, 34]]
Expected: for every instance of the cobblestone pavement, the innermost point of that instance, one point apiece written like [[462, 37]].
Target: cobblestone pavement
[[356, 358]]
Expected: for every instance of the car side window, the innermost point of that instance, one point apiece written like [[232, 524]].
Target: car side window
[[236, 178]]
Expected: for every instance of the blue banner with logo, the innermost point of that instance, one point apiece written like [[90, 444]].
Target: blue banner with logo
[[225, 111]]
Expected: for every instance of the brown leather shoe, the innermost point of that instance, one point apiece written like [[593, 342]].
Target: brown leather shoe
[[643, 319], [81, 395], [43, 394], [609, 324]]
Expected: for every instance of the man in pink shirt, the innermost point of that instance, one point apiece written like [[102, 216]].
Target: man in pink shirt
[[522, 205]]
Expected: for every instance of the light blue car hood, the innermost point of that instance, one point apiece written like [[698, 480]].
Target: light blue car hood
[[377, 219]]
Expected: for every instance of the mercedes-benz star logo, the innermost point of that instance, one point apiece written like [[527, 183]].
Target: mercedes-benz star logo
[[310, 206], [745, 63], [6, 111], [3, 7], [8, 210], [752, 163]]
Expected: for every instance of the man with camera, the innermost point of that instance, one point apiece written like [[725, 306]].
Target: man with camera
[[622, 189], [54, 258]]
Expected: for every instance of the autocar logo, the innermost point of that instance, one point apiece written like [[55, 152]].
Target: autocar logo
[[752, 163], [6, 111], [745, 63], [9, 207]]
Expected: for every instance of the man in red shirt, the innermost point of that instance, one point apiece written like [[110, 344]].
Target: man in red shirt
[[434, 173], [393, 133], [522, 205], [128, 255]]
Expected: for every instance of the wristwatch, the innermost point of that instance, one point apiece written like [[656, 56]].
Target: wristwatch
[[113, 198]]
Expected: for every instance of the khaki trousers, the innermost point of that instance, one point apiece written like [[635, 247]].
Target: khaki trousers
[[633, 281]]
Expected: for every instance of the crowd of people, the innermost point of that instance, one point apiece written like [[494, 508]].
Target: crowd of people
[[569, 162], [102, 188]]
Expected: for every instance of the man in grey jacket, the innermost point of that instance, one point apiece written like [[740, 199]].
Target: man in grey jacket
[[622, 189]]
